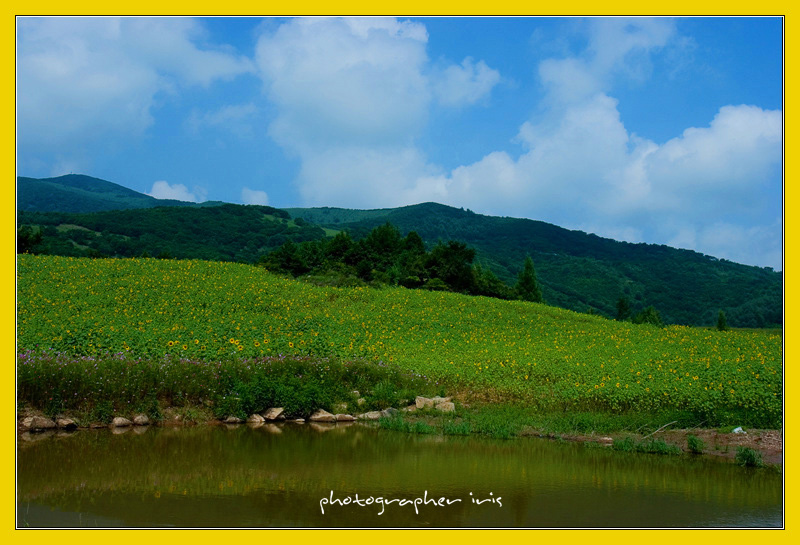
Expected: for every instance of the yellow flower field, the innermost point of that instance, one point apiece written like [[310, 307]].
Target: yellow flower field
[[543, 355]]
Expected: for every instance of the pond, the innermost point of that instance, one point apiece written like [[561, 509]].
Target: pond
[[310, 475]]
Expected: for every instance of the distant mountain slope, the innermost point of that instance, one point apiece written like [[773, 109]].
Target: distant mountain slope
[[228, 232], [582, 271], [79, 193]]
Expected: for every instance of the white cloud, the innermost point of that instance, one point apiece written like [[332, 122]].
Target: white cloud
[[734, 151], [254, 196], [179, 192], [616, 47], [82, 80], [234, 118], [465, 84], [352, 97], [622, 45], [752, 245], [345, 82], [363, 176]]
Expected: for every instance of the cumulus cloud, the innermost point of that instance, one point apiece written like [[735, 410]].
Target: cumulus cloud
[[81, 80], [465, 84], [345, 82], [254, 196], [353, 95], [179, 192]]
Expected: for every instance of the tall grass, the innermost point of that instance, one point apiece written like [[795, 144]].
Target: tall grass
[[105, 385]]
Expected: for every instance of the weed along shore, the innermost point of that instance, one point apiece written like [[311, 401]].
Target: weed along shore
[[184, 342], [441, 416]]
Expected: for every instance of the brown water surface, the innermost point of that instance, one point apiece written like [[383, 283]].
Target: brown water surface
[[293, 475]]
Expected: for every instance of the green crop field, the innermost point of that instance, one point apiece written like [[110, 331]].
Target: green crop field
[[219, 314]]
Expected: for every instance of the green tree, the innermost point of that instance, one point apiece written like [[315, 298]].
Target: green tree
[[28, 241], [649, 316], [487, 284], [527, 287], [722, 321], [287, 259], [452, 264], [623, 309]]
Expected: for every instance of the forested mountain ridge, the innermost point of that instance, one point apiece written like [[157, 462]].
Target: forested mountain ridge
[[576, 270], [78, 193]]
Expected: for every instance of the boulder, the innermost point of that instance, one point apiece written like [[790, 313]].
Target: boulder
[[372, 415], [66, 423], [389, 412], [275, 413], [255, 419], [36, 423], [233, 420], [345, 418], [141, 420], [322, 416], [430, 402], [409, 409], [446, 406], [120, 422]]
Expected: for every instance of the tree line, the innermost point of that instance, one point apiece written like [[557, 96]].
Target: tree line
[[385, 256]]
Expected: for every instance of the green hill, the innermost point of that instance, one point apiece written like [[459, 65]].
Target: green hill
[[79, 193], [582, 271]]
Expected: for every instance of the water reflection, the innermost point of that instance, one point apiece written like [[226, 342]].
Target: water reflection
[[277, 475]]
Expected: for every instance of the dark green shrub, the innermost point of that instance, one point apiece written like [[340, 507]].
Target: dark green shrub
[[747, 457], [695, 444], [624, 445]]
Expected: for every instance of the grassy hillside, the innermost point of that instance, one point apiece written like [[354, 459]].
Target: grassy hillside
[[79, 193], [208, 314], [581, 271]]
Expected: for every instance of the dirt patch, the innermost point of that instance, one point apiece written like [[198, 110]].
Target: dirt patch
[[768, 442]]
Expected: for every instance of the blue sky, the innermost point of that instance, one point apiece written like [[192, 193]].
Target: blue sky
[[662, 130]]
